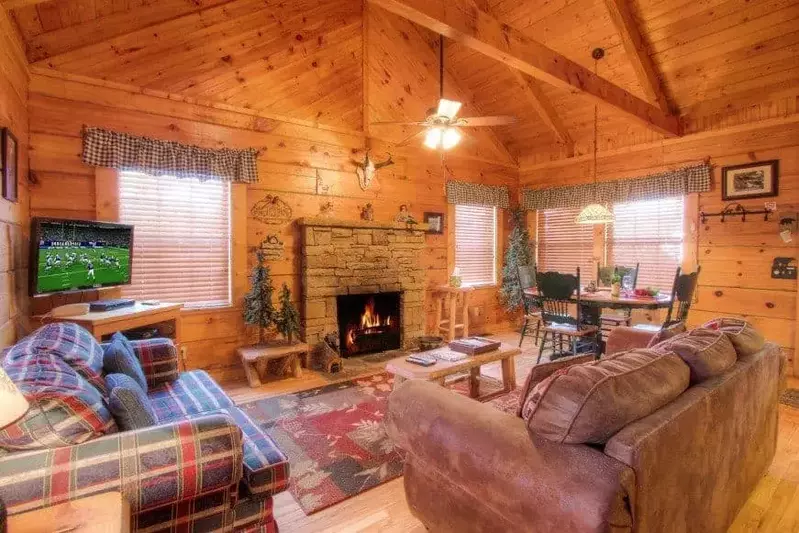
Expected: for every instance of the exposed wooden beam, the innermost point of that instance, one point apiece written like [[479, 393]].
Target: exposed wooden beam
[[637, 52], [462, 21], [541, 104]]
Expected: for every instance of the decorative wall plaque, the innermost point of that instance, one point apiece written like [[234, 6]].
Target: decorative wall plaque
[[272, 248], [271, 210]]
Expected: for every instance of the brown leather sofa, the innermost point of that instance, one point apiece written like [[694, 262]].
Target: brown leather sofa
[[687, 467]]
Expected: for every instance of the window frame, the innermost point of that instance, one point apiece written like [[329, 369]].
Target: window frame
[[602, 244], [497, 239], [107, 190]]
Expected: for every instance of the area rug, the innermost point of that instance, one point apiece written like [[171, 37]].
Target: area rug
[[790, 397], [335, 438]]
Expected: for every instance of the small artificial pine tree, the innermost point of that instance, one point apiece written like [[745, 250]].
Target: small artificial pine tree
[[258, 308], [519, 253], [288, 318]]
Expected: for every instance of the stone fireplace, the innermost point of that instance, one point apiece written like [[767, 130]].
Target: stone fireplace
[[354, 271]]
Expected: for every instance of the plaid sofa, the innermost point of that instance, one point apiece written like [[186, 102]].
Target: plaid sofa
[[205, 467]]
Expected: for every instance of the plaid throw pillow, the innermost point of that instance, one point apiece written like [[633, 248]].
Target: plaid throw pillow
[[128, 403], [118, 359]]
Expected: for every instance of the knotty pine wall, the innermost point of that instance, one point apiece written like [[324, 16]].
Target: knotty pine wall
[[13, 216], [292, 157], [735, 257]]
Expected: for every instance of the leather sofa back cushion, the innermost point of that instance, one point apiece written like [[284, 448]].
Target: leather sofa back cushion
[[707, 352], [746, 339], [667, 333], [589, 403]]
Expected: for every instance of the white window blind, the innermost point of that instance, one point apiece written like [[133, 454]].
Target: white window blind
[[476, 244], [181, 245], [564, 245], [649, 233]]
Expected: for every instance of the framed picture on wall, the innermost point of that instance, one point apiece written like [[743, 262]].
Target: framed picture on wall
[[752, 180], [435, 222], [10, 164]]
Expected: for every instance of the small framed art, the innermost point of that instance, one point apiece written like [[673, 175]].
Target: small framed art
[[435, 222], [10, 164], [752, 180]]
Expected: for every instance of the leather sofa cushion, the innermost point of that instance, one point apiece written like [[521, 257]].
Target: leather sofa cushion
[[667, 333], [707, 353], [589, 403], [746, 339]]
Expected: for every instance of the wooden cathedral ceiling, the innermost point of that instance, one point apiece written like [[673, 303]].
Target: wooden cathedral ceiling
[[305, 59]]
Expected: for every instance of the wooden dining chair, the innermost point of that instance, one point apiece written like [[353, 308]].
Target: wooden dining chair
[[532, 313], [557, 293], [682, 296]]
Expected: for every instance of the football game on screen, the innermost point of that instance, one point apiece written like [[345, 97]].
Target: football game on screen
[[73, 255]]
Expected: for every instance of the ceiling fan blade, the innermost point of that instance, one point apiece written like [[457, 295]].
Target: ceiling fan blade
[[399, 123], [477, 122]]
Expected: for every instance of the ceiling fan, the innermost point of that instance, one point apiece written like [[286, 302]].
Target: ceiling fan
[[442, 124]]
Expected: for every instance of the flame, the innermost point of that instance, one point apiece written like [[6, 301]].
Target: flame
[[370, 321]]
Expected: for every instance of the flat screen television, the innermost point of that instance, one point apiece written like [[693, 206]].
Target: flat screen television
[[69, 255]]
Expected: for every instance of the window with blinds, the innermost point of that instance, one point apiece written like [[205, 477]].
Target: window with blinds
[[564, 245], [181, 248], [476, 244], [649, 233]]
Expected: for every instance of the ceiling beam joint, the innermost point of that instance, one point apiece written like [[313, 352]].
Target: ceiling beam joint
[[463, 21]]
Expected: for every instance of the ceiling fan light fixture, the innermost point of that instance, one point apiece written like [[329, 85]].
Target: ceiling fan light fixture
[[450, 138], [448, 108], [432, 138]]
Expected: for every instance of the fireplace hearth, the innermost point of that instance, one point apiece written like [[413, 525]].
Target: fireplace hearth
[[369, 323]]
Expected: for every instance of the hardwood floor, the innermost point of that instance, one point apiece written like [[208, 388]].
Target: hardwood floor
[[773, 507]]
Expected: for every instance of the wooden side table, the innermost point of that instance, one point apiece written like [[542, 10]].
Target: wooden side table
[[448, 298], [256, 358], [102, 513]]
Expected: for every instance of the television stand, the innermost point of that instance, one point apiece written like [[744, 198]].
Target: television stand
[[103, 323]]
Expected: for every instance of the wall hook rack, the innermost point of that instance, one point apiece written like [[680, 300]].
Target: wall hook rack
[[734, 210]]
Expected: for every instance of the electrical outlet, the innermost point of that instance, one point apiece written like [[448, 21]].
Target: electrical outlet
[[772, 206]]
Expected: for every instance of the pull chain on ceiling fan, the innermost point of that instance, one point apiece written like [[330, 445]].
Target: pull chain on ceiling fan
[[442, 125]]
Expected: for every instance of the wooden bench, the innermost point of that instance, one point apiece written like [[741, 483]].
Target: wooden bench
[[255, 360]]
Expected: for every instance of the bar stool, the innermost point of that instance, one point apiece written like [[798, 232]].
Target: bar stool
[[448, 300]]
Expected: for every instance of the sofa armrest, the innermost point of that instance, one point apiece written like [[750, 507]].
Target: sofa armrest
[[491, 456], [622, 339], [159, 360], [541, 372], [152, 467]]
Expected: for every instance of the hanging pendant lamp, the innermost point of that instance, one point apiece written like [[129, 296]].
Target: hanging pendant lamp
[[595, 213]]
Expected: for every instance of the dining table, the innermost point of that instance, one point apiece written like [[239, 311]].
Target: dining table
[[592, 304]]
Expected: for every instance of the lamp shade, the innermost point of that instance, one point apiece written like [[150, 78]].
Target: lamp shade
[[594, 214], [13, 404]]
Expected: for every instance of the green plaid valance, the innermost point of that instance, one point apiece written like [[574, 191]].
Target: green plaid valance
[[104, 148], [672, 183], [465, 193]]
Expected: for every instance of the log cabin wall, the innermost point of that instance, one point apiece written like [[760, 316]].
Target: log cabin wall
[[735, 257], [305, 166], [14, 218]]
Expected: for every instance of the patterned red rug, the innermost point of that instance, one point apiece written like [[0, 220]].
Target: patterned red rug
[[335, 438]]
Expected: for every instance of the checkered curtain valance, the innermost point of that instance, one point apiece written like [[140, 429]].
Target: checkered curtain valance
[[104, 148], [673, 183], [464, 193]]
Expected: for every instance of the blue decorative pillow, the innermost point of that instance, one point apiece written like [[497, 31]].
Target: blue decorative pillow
[[117, 359], [118, 336], [128, 403]]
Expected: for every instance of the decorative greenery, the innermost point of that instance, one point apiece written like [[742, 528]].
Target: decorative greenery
[[616, 278], [258, 308], [519, 253], [288, 318]]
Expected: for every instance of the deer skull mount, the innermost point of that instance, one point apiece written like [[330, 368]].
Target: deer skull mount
[[367, 170]]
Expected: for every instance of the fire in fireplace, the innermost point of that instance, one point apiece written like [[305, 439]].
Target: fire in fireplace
[[369, 323]]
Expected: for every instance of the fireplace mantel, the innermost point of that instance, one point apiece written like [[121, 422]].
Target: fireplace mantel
[[324, 222]]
